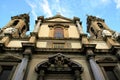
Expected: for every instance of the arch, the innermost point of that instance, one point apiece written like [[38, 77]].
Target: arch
[[59, 64], [15, 22], [100, 25]]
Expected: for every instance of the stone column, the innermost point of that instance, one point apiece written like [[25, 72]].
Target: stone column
[[79, 27], [19, 75], [51, 33], [37, 26], [98, 75]]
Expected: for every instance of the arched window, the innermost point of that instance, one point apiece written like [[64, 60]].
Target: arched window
[[23, 28], [58, 32], [100, 25], [92, 30], [15, 22]]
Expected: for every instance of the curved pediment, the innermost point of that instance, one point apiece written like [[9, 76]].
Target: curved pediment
[[59, 63]]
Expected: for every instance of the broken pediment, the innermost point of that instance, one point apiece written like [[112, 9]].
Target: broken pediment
[[59, 63]]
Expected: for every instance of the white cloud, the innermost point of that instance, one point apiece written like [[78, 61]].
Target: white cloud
[[46, 8], [117, 4], [61, 7], [105, 1], [39, 6], [57, 0], [33, 7], [99, 3]]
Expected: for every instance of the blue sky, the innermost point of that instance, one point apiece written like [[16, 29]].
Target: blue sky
[[106, 9]]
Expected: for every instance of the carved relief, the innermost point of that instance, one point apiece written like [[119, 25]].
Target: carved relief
[[106, 33], [59, 63]]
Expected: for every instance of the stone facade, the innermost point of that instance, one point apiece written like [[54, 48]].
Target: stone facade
[[58, 49]]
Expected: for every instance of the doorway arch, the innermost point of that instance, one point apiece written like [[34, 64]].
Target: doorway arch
[[59, 67]]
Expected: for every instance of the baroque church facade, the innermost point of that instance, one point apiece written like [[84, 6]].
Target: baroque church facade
[[58, 49]]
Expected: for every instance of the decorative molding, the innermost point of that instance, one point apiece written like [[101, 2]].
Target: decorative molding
[[106, 59], [59, 63], [65, 50], [10, 58], [57, 25], [58, 16]]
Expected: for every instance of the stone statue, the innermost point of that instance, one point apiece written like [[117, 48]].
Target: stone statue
[[106, 33], [10, 30]]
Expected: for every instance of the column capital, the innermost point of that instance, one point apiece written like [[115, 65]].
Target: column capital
[[90, 54], [76, 19], [37, 25], [40, 18], [28, 49], [27, 53], [34, 34]]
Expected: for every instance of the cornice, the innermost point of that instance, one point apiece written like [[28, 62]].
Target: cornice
[[51, 38], [58, 16], [66, 50], [106, 60], [10, 58]]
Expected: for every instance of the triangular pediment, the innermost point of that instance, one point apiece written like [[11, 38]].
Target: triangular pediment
[[58, 18]]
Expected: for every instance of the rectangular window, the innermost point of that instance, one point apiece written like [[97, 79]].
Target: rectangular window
[[5, 72], [110, 73], [58, 45]]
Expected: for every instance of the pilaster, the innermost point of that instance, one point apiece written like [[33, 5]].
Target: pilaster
[[38, 24], [78, 24], [84, 39]]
